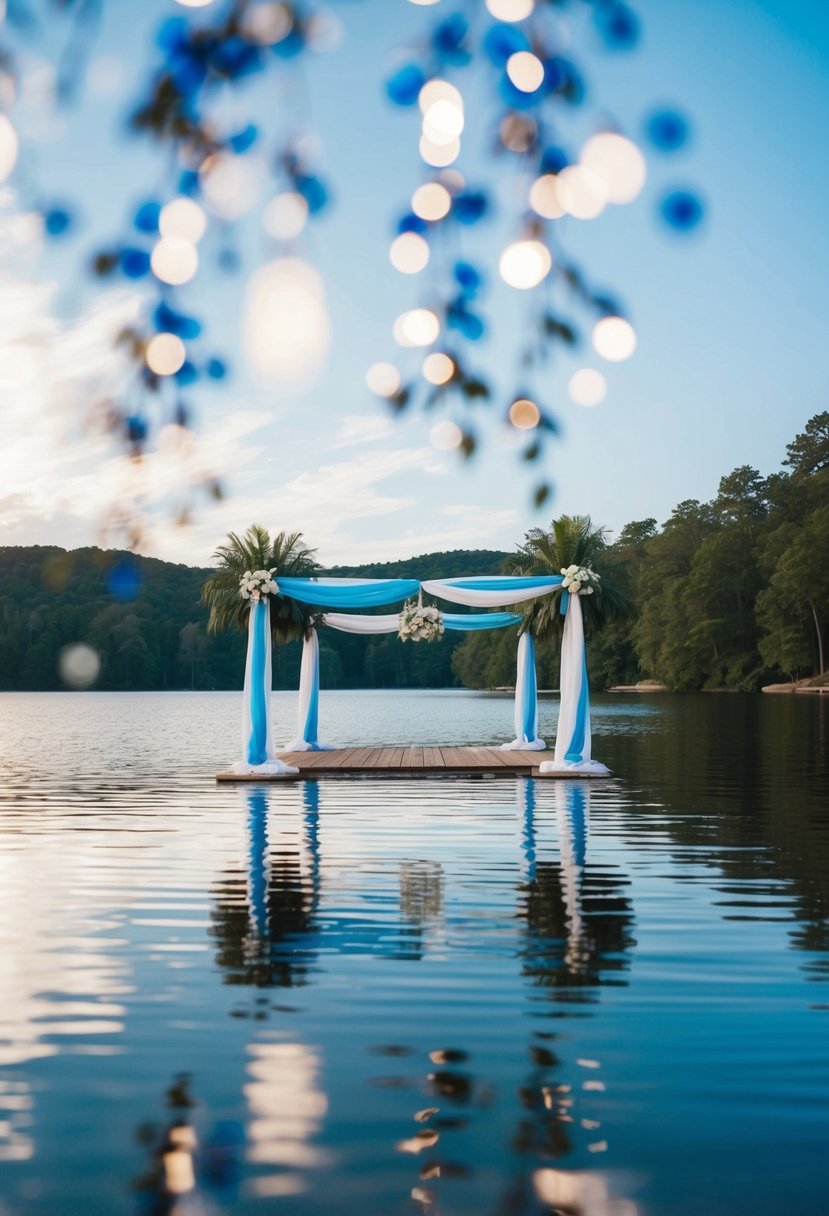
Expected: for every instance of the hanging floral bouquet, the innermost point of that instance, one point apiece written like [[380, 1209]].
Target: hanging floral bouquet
[[419, 624], [254, 584], [580, 580]]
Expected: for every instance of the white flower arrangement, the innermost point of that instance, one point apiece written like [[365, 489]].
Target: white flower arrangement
[[419, 623], [580, 580], [255, 584]]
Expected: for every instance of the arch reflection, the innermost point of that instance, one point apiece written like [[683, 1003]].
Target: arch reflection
[[577, 921], [264, 916]]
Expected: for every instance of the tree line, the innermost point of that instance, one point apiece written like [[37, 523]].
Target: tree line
[[731, 593]]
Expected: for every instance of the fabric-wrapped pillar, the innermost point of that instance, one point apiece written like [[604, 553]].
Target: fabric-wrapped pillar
[[309, 697], [526, 701], [573, 736], [257, 740]]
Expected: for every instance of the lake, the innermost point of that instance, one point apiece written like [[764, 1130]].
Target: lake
[[437, 995]]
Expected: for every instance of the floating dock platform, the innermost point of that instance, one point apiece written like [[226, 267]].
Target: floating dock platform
[[412, 761]]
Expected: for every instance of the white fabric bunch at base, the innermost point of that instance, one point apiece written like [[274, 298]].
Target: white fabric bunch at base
[[521, 745], [271, 768], [581, 766], [301, 745]]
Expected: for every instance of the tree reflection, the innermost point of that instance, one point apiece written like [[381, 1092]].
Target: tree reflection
[[263, 918]]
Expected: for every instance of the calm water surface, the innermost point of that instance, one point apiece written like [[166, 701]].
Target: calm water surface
[[390, 995]]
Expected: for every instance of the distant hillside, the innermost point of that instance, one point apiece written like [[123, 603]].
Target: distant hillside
[[145, 620]]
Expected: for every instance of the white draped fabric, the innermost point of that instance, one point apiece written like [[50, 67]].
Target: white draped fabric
[[446, 589], [307, 711], [573, 735], [257, 738], [348, 622], [526, 701]]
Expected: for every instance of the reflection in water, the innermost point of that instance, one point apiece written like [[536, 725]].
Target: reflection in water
[[264, 917], [577, 925], [421, 907], [287, 1108], [180, 1172], [577, 921]]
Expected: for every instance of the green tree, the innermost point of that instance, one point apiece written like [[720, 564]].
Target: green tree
[[794, 608], [570, 540], [287, 554]]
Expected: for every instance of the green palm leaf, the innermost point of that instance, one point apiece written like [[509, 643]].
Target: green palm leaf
[[571, 540], [287, 554]]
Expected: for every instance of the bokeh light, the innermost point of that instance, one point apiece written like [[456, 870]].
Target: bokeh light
[[183, 217], [194, 3], [174, 260], [544, 198], [286, 326], [443, 121], [383, 379], [165, 354], [618, 162], [524, 264], [526, 71], [431, 201], [8, 147], [417, 327], [446, 435], [510, 10], [409, 253], [439, 155], [267, 23], [438, 368], [614, 339], [524, 414], [587, 387], [231, 184], [79, 665], [581, 191], [424, 3], [284, 215], [438, 90]]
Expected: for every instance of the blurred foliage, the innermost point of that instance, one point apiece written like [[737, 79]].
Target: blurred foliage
[[532, 134], [202, 56]]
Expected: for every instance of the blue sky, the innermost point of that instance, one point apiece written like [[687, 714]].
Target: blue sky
[[731, 321]]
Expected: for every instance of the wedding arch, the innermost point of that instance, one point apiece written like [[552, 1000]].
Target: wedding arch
[[420, 623]]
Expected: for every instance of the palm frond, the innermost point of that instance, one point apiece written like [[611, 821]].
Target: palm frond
[[570, 540], [286, 553]]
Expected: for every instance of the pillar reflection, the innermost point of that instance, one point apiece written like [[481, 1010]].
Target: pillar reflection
[[264, 917]]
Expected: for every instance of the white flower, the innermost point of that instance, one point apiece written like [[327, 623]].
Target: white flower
[[571, 570]]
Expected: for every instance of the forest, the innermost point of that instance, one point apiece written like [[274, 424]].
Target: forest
[[731, 593]]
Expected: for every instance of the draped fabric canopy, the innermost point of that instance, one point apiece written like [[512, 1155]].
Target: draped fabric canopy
[[484, 591]]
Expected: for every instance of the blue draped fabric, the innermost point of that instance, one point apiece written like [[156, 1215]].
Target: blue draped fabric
[[499, 582], [311, 727], [480, 620], [527, 789], [575, 752], [258, 741], [529, 692], [564, 603], [577, 814], [258, 859], [348, 595]]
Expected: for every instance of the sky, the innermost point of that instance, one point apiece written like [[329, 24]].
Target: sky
[[730, 320]]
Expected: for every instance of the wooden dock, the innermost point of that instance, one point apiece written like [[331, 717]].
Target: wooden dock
[[410, 761]]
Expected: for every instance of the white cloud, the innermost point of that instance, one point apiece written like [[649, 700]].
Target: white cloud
[[364, 428]]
